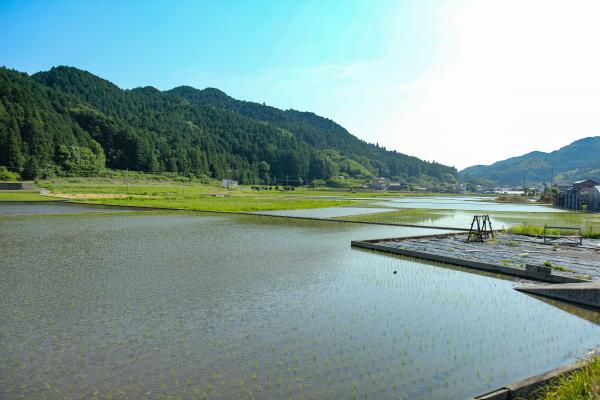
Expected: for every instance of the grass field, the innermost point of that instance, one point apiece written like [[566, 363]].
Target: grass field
[[404, 216], [188, 196], [166, 188], [203, 196], [233, 204], [22, 195]]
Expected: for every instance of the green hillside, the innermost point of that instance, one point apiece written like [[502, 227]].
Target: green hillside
[[69, 121], [578, 160]]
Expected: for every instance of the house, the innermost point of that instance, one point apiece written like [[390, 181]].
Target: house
[[12, 186], [398, 186], [230, 184], [581, 195], [379, 183]]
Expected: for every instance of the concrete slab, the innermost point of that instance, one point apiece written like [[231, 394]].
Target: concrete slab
[[391, 246], [581, 293], [518, 255]]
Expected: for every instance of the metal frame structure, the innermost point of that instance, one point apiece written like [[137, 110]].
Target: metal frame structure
[[481, 228]]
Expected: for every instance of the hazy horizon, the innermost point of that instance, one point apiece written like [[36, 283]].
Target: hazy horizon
[[459, 82]]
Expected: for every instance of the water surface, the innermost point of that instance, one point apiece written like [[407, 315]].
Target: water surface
[[462, 203], [228, 307], [326, 212], [31, 208]]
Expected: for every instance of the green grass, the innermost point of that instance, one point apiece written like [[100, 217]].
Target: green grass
[[590, 230], [558, 267], [141, 186], [205, 196], [231, 204], [404, 216], [188, 196], [588, 222], [510, 198], [581, 385], [22, 195]]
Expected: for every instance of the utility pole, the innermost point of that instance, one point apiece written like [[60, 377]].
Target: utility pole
[[552, 185], [127, 180]]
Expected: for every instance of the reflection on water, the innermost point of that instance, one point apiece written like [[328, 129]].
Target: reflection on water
[[457, 212], [462, 203], [184, 306], [583, 312], [35, 208], [327, 212]]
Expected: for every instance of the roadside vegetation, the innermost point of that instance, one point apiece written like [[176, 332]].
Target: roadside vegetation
[[580, 385]]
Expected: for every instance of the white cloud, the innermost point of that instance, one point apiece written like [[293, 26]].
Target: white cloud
[[509, 77]]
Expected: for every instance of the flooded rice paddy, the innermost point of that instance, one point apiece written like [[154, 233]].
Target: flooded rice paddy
[[227, 307], [327, 212], [462, 218], [35, 208], [462, 203], [455, 212]]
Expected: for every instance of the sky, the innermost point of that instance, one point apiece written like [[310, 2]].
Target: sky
[[461, 82]]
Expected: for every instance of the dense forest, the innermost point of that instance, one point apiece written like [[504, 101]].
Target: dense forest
[[69, 121]]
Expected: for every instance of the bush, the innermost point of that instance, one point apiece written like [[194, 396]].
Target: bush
[[6, 175]]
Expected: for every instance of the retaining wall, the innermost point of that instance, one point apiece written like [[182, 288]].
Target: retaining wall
[[581, 293], [522, 389]]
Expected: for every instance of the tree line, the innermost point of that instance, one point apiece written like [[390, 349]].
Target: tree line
[[68, 121]]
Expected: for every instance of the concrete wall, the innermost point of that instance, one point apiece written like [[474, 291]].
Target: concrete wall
[[12, 186], [581, 293], [522, 389]]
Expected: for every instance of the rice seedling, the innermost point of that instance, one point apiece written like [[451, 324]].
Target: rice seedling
[[226, 306]]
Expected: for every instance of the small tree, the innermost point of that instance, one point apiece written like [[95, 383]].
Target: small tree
[[32, 170]]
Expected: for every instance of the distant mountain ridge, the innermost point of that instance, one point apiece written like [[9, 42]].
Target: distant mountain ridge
[[67, 119], [578, 160]]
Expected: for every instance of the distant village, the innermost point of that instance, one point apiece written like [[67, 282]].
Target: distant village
[[580, 195]]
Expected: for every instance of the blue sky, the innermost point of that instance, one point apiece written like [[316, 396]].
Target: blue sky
[[401, 73], [168, 43]]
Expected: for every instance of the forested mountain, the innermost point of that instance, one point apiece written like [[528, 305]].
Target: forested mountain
[[66, 120], [578, 160]]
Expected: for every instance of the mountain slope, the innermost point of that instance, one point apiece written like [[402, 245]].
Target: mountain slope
[[37, 128], [83, 122], [321, 133], [578, 160]]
